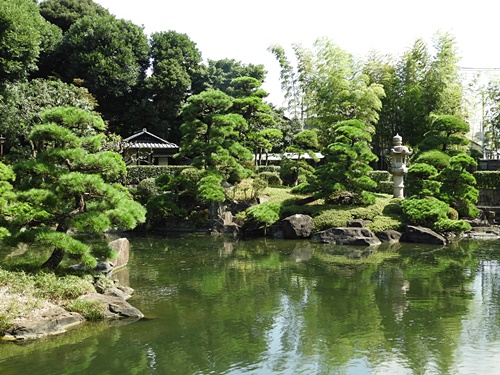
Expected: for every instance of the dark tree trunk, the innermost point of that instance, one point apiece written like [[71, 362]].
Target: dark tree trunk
[[55, 259]]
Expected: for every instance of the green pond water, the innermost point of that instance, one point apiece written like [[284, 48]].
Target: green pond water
[[223, 306]]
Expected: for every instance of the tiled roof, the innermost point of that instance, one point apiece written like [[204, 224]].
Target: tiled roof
[[145, 139], [152, 145]]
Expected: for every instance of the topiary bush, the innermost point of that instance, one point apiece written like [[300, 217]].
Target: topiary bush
[[449, 225], [146, 189], [272, 178], [424, 211], [436, 158]]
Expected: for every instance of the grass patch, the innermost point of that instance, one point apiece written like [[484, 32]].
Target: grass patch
[[24, 295], [91, 310]]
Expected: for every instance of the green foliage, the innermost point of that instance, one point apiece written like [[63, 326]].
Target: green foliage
[[91, 310], [265, 213], [63, 188], [137, 173], [212, 136], [331, 219], [21, 38], [346, 165], [447, 134], [53, 287], [458, 186], [64, 13], [421, 181], [436, 158], [268, 168], [425, 212], [294, 172], [272, 178], [145, 190], [449, 225], [24, 101], [209, 188], [381, 222], [161, 207], [110, 59], [380, 176], [487, 179]]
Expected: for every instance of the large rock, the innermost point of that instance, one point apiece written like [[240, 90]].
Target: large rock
[[419, 234], [347, 236], [389, 236], [122, 248], [116, 307], [53, 321], [297, 226]]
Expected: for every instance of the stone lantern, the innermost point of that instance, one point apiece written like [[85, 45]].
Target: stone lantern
[[398, 166]]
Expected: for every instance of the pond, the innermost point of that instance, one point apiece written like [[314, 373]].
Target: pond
[[221, 306]]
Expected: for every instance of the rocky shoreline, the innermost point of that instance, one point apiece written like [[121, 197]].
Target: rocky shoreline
[[52, 319]]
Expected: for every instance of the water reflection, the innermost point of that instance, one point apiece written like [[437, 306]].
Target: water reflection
[[281, 307]]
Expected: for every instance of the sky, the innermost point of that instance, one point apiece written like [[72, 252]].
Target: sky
[[243, 30]]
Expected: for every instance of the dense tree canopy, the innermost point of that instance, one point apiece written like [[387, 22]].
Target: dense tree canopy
[[65, 13], [23, 35], [67, 185], [23, 103]]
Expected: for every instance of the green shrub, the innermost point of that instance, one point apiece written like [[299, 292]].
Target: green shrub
[[452, 214], [380, 176], [146, 189], [393, 207], [436, 158], [382, 222], [272, 178], [425, 212], [266, 213], [137, 173], [331, 219], [258, 186], [420, 181], [448, 225], [385, 187], [268, 168]]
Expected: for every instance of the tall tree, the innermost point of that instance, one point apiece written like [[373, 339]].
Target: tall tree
[[67, 186], [294, 80], [175, 62], [109, 57], [65, 13], [23, 35], [220, 73], [212, 135], [417, 86], [23, 103], [346, 165], [329, 86]]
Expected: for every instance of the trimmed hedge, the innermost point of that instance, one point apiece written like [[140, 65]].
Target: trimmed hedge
[[268, 168], [137, 173], [487, 179]]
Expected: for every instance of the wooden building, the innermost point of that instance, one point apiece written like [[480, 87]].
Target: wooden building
[[145, 148]]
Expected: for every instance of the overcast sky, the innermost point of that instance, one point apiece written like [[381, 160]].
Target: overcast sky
[[243, 30]]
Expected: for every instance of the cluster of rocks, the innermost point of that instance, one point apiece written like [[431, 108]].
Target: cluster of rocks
[[55, 319], [356, 233]]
